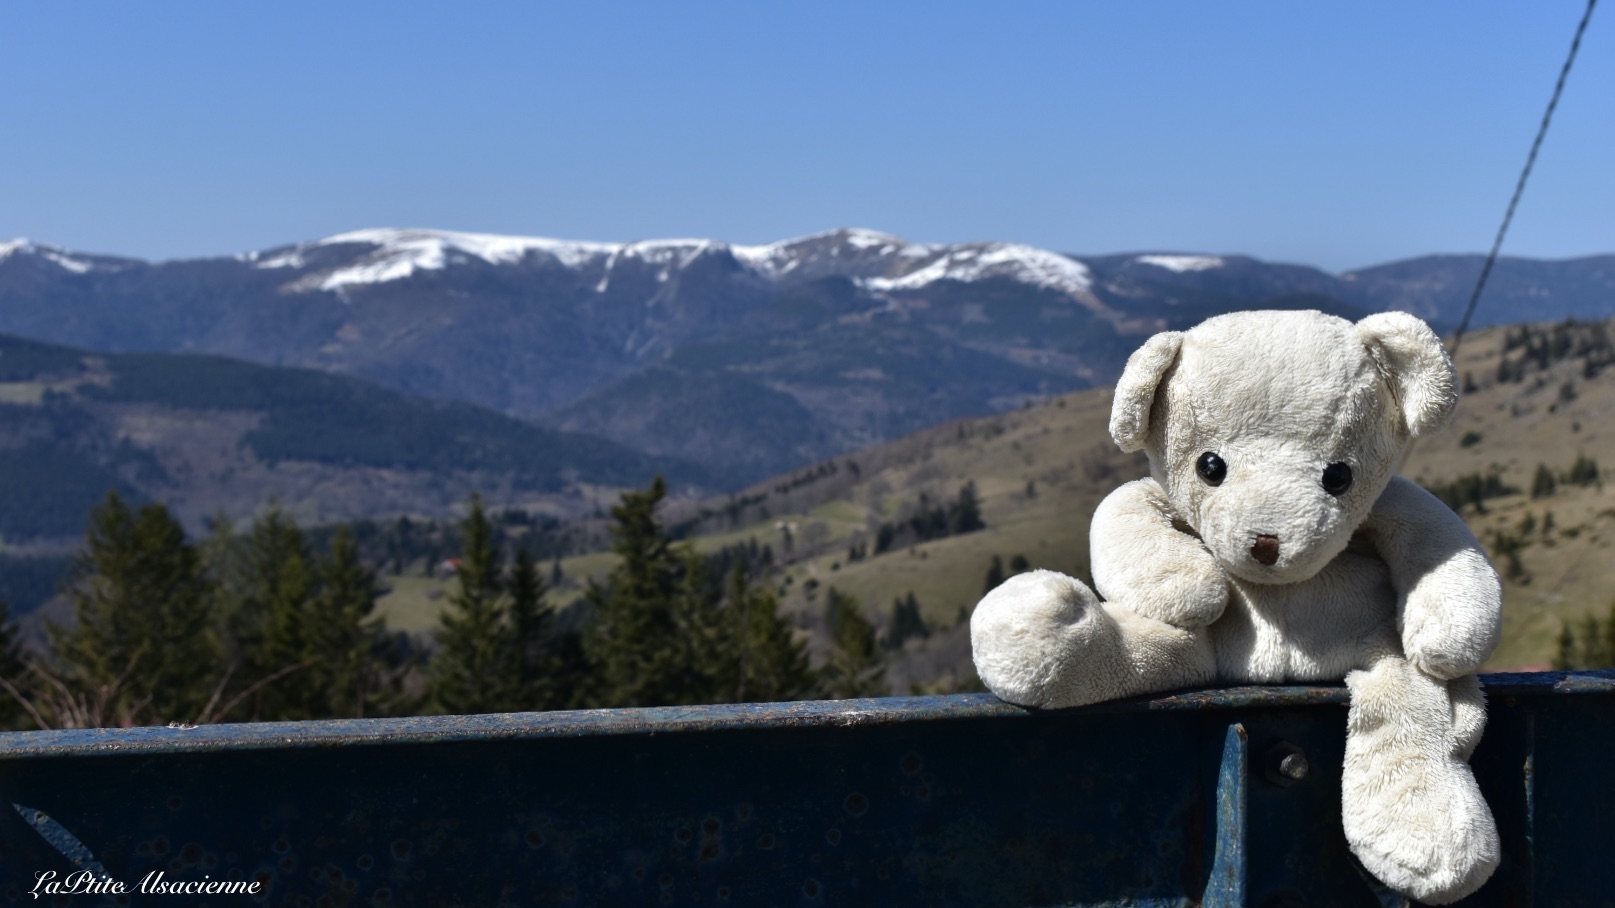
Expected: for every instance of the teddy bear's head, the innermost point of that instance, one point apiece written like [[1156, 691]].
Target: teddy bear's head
[[1273, 433]]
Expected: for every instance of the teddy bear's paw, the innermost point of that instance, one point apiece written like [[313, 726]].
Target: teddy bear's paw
[[1450, 629], [1040, 638], [1190, 592], [1142, 559], [1439, 657], [1425, 831]]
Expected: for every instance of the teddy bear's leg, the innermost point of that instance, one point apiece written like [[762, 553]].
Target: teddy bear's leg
[[1468, 714], [1412, 811], [1044, 639]]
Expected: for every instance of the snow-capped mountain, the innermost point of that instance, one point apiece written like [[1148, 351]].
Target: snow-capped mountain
[[754, 358], [27, 252], [878, 262]]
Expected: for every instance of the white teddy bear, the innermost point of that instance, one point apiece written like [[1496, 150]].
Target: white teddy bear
[[1273, 543]]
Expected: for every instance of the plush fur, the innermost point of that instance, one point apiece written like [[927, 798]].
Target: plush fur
[[1265, 576]]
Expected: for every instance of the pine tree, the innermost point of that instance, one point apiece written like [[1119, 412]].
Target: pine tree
[[469, 672], [1543, 484], [1584, 472], [966, 516], [906, 622], [1608, 640], [570, 674], [995, 575], [531, 637], [142, 642], [770, 663], [280, 600], [704, 642], [628, 642], [347, 644], [225, 564], [1593, 647], [855, 667], [1568, 657]]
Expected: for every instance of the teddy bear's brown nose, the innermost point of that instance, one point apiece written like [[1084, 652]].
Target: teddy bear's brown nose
[[1266, 549]]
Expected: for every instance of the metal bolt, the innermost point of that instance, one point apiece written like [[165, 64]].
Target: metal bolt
[[1285, 764], [1294, 766]]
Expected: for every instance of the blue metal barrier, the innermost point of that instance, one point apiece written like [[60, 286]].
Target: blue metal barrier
[[1215, 798]]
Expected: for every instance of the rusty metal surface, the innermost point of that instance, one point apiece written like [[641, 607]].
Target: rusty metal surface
[[693, 719], [504, 727], [959, 800], [613, 722]]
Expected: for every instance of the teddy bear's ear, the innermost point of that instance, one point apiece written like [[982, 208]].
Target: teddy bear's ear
[[1419, 371], [1135, 392]]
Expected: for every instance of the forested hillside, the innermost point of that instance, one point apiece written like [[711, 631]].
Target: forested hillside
[[210, 436]]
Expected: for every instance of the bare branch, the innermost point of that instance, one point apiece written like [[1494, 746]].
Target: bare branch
[[25, 702], [218, 691], [253, 688]]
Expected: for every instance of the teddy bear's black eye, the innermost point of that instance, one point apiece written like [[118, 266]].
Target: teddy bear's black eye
[[1211, 469], [1336, 478]]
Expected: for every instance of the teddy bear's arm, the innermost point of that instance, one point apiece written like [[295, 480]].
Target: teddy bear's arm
[[1449, 598], [1144, 562]]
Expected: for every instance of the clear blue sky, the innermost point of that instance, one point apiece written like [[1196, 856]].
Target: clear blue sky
[[1337, 135]]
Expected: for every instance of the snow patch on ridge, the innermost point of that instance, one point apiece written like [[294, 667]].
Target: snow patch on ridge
[[1181, 263], [666, 255], [77, 266], [1011, 260], [291, 259], [778, 259], [858, 238], [770, 261], [60, 257], [401, 253]]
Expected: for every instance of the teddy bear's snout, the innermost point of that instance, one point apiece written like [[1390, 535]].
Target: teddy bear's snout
[[1266, 550]]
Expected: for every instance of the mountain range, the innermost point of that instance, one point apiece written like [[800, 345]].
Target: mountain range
[[750, 360]]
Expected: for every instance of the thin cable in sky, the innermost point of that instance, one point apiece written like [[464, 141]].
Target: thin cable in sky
[[1519, 188]]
